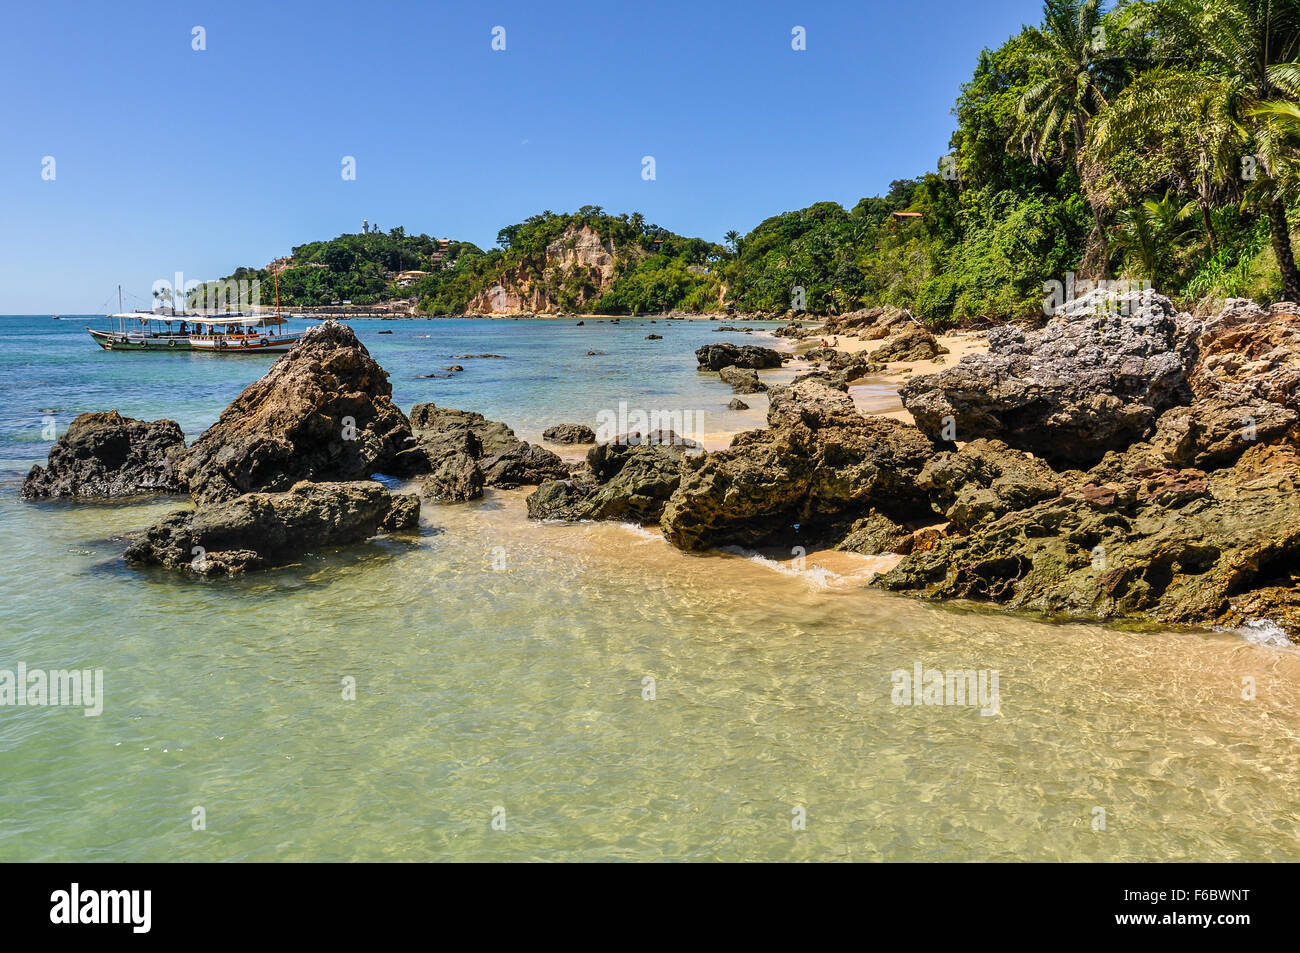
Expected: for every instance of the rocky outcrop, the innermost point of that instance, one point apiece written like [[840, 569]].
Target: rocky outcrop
[[260, 530], [108, 455], [819, 467], [455, 478], [579, 256], [623, 482], [569, 433], [1096, 378], [1245, 386], [914, 344], [715, 357], [466, 452], [1135, 541], [520, 464], [741, 380], [323, 412], [984, 480], [737, 404]]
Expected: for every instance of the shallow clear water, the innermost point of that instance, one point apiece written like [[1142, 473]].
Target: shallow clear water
[[502, 664]]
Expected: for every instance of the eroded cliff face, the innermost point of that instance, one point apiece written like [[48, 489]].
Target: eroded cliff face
[[579, 269]]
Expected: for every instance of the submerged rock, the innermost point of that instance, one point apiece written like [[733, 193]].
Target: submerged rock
[[715, 357], [260, 530], [323, 412], [108, 455], [742, 380], [1096, 378], [737, 404]]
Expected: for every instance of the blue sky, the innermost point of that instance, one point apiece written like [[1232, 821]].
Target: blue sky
[[169, 159]]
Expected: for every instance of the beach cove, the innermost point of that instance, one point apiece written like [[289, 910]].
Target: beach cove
[[614, 697]]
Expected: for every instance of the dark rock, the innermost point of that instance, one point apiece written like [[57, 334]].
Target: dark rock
[[1135, 541], [522, 463], [654, 337], [569, 433], [737, 404], [663, 438], [624, 483], [108, 455], [742, 380], [456, 478], [454, 368], [913, 344], [323, 412], [439, 430], [717, 356], [258, 530]]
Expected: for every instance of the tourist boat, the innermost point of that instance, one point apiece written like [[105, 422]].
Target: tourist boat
[[242, 334], [144, 331]]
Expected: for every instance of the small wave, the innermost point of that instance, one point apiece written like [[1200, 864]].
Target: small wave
[[1263, 632], [819, 576], [638, 530]]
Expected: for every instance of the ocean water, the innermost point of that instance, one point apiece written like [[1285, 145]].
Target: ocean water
[[532, 691]]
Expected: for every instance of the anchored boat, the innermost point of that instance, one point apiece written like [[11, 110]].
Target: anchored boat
[[144, 331], [242, 334]]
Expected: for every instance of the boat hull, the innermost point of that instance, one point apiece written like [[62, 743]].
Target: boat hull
[[111, 341], [243, 345]]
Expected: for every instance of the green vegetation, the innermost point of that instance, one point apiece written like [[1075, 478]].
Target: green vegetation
[[1153, 140]]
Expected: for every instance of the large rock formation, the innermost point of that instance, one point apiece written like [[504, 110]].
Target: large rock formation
[[1096, 378], [1133, 540], [258, 530], [323, 412], [108, 455], [819, 468], [1245, 387], [715, 357]]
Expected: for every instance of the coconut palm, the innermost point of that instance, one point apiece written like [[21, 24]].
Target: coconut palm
[[1078, 75], [1231, 56]]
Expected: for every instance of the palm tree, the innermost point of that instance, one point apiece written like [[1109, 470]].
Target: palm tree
[[1174, 114], [1053, 113], [1149, 228], [732, 238], [1233, 56]]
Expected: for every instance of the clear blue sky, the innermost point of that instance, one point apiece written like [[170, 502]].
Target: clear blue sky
[[168, 159]]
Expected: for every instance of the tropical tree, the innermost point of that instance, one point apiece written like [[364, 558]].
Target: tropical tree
[[1078, 75], [1233, 57], [1146, 231]]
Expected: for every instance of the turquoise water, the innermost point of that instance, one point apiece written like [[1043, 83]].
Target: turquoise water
[[501, 669]]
